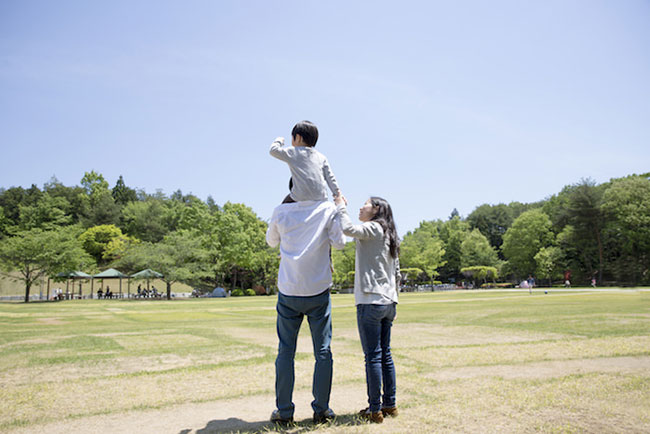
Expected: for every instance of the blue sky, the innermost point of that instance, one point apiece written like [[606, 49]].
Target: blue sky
[[434, 105]]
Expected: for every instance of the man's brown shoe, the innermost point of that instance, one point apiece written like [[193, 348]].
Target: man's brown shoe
[[389, 411], [372, 416]]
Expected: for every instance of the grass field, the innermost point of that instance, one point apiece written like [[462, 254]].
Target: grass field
[[477, 361]]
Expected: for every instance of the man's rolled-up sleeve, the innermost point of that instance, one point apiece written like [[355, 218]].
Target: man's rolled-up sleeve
[[272, 233]]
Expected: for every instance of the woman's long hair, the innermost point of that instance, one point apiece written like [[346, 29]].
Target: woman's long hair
[[384, 217]]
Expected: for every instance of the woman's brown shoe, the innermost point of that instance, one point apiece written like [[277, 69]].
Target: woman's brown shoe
[[372, 416], [389, 411]]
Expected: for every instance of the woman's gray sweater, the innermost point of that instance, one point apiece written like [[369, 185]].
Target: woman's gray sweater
[[375, 270]]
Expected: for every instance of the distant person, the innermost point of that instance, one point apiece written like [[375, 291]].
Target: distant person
[[310, 171], [376, 278], [593, 282], [531, 282], [304, 230], [567, 283], [100, 293]]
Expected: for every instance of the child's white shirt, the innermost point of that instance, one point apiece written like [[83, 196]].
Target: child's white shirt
[[310, 171]]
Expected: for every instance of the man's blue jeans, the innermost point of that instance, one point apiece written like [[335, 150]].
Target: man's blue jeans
[[291, 310], [374, 322]]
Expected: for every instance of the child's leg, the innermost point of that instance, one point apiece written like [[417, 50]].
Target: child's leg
[[288, 198]]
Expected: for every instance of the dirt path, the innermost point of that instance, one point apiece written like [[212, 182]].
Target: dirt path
[[249, 414]]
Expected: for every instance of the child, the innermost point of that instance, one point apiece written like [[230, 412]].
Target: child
[[310, 170]]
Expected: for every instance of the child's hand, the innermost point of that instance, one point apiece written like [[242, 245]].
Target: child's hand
[[279, 140]]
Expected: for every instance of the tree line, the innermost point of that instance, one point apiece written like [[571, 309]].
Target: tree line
[[589, 229], [91, 227], [586, 231]]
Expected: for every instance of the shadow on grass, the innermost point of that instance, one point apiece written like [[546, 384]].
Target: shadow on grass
[[235, 425]]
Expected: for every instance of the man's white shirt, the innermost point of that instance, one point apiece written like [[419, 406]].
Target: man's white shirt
[[305, 230]]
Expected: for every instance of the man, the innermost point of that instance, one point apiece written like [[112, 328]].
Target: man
[[304, 231]]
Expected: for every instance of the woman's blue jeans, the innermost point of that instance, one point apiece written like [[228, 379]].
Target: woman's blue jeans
[[291, 310], [374, 322]]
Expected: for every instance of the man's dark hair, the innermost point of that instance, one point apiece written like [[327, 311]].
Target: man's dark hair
[[307, 131]]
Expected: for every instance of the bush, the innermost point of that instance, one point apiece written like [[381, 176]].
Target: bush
[[498, 285], [249, 291], [480, 272], [237, 293]]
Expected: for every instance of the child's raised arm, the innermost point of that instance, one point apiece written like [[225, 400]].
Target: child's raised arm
[[277, 149]]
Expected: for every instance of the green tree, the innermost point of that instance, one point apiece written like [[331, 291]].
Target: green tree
[[267, 273], [194, 215], [343, 262], [11, 199], [236, 241], [4, 223], [242, 238], [586, 217], [626, 206], [549, 262], [123, 194], [452, 233], [180, 257], [146, 220], [423, 249], [104, 242], [476, 250], [94, 183], [71, 197], [47, 213], [557, 208], [97, 204], [528, 234], [493, 221], [36, 254]]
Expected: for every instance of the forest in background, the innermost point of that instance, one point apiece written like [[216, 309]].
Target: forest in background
[[591, 230]]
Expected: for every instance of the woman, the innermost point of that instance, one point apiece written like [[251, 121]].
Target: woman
[[376, 281]]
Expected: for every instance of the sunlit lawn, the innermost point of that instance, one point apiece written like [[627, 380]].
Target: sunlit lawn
[[467, 361]]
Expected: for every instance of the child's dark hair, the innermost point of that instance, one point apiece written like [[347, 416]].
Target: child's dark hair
[[384, 217], [307, 131]]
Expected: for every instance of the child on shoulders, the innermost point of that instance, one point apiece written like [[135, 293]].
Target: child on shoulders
[[310, 171]]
